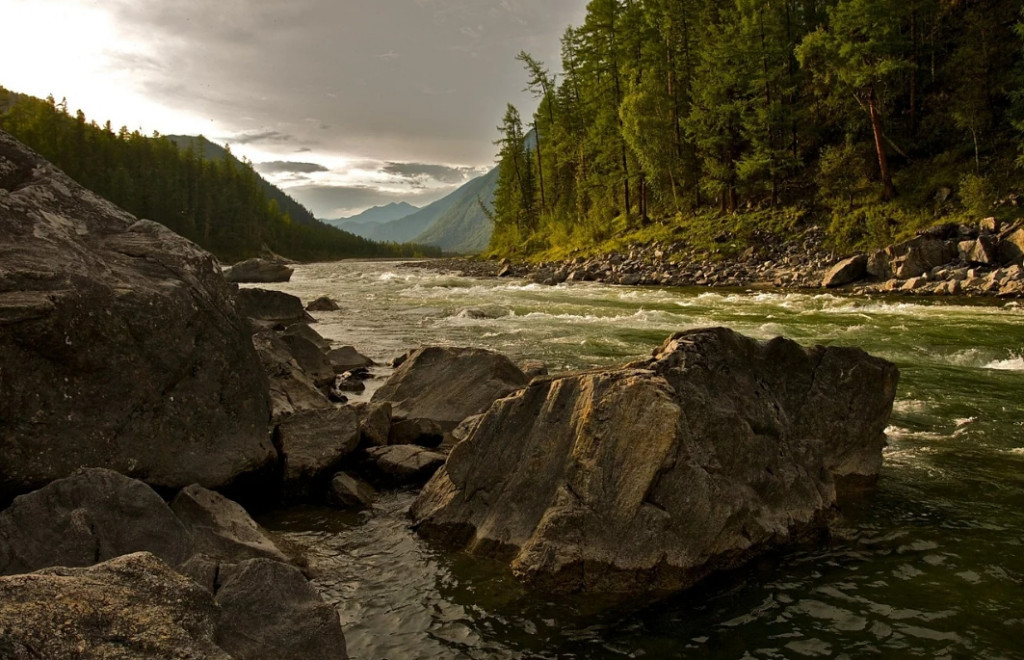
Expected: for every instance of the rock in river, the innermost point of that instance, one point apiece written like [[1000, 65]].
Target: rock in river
[[258, 270], [654, 475], [120, 344]]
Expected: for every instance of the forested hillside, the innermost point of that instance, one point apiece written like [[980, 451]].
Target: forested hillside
[[218, 202], [871, 117]]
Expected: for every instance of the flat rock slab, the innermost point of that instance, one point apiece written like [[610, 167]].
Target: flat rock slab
[[652, 476], [120, 344]]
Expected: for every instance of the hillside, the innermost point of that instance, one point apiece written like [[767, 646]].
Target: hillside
[[463, 227], [200, 192]]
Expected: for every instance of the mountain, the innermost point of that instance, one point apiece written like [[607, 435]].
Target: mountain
[[455, 223], [211, 151], [376, 215], [463, 226]]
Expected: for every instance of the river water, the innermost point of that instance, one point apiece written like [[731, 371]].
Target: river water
[[931, 565]]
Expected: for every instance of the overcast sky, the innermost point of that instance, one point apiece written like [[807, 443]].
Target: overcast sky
[[344, 103]]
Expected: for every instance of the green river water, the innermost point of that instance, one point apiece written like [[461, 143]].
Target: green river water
[[931, 565]]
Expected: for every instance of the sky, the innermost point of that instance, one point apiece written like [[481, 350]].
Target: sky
[[345, 104]]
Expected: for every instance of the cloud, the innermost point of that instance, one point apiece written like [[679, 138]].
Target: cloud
[[259, 136], [345, 201], [281, 166], [421, 171]]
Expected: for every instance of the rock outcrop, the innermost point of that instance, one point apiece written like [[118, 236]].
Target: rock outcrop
[[652, 476], [447, 385], [120, 346], [258, 271]]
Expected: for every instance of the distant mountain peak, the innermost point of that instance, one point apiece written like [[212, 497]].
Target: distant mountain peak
[[377, 214]]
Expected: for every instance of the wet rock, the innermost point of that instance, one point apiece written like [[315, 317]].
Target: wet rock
[[270, 612], [347, 492], [220, 528], [313, 446], [130, 607], [121, 344], [258, 271], [322, 304], [292, 390], [91, 516], [447, 385], [347, 358], [846, 271], [349, 382], [744, 445], [272, 306], [402, 465]]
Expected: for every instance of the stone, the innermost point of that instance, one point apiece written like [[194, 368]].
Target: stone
[[745, 447], [269, 611], [989, 225], [1011, 248], [220, 528], [374, 424], [306, 332], [846, 271], [322, 304], [347, 358], [272, 306], [982, 250], [913, 284], [89, 517], [292, 390], [920, 254], [447, 385], [126, 608], [121, 345], [533, 368], [403, 465], [422, 432], [310, 358], [349, 382], [347, 492], [313, 446], [258, 271]]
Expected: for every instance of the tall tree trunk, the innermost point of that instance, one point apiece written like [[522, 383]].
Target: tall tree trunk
[[888, 191], [540, 168]]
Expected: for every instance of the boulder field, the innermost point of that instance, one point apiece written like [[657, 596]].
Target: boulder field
[[650, 477]]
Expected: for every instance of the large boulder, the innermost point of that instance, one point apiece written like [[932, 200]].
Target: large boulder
[[347, 358], [258, 271], [310, 358], [120, 345], [652, 476], [272, 306], [271, 612], [982, 250], [920, 255], [92, 516], [846, 271], [220, 528], [1011, 247], [447, 385], [126, 608], [292, 390], [313, 446]]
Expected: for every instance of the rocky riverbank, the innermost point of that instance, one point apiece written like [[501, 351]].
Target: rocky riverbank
[[986, 259]]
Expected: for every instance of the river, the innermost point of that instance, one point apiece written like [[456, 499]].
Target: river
[[930, 566]]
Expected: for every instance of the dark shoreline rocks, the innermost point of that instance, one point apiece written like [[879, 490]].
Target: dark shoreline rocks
[[258, 271], [983, 260], [650, 477]]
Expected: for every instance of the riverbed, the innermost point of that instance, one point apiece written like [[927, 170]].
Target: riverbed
[[931, 565]]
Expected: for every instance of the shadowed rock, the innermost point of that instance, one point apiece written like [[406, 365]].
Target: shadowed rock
[[120, 344], [313, 445], [222, 529], [258, 270], [652, 476]]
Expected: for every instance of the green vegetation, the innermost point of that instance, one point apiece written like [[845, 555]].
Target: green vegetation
[[199, 190], [871, 118]]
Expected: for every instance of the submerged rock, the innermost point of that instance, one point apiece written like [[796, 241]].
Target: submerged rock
[[652, 476], [121, 344], [322, 304], [258, 271]]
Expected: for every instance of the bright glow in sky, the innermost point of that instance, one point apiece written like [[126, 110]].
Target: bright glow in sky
[[344, 103]]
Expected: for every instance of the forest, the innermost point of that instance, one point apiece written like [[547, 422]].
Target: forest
[[220, 203], [755, 118]]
